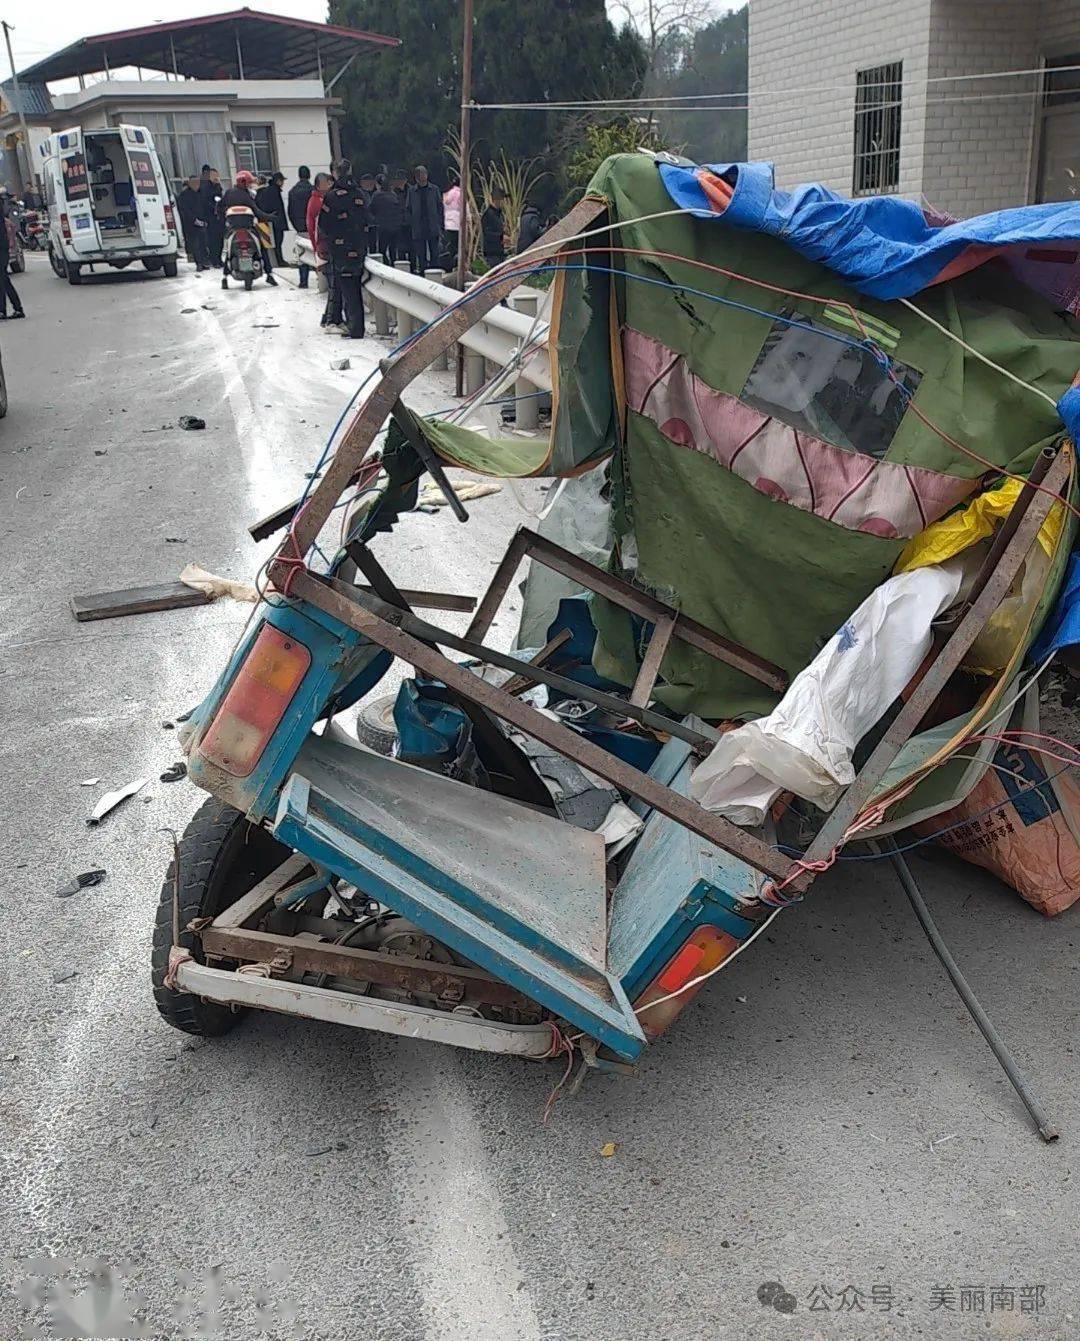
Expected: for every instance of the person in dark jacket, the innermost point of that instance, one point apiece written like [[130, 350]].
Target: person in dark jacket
[[400, 187], [493, 228], [210, 189], [242, 194], [299, 195], [7, 289], [272, 203], [425, 211], [343, 222], [530, 229], [388, 215], [369, 184], [190, 204]]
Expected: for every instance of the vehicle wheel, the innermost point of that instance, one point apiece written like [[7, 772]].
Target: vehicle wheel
[[248, 281], [375, 724], [222, 856], [57, 264], [74, 273], [152, 263], [3, 393], [171, 268], [18, 264]]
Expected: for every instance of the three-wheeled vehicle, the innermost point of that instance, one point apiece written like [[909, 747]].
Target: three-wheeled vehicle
[[529, 873]]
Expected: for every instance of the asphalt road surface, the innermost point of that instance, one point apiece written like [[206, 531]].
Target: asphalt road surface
[[822, 1146]]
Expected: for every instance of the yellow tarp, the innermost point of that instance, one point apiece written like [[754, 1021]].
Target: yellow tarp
[[978, 521]]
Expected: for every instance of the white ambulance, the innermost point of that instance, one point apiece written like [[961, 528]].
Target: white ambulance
[[109, 201]]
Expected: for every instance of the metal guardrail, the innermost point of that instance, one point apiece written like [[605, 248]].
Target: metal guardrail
[[411, 301]]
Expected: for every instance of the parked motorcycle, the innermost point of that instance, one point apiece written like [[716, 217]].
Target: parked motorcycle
[[243, 255], [33, 230]]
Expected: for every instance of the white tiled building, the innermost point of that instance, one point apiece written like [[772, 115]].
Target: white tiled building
[[879, 97]]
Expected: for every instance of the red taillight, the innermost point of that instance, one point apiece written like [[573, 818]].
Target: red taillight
[[65, 227], [170, 218], [703, 951], [255, 704]]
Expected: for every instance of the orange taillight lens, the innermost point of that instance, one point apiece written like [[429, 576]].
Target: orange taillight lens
[[252, 710], [705, 948]]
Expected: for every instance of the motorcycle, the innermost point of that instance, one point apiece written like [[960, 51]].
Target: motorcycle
[[243, 254], [33, 232]]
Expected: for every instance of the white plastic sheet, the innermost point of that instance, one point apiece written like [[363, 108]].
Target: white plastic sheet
[[806, 743]]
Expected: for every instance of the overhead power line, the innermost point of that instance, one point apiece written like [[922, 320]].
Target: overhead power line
[[700, 99]]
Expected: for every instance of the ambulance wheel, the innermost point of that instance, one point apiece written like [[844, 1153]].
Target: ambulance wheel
[[171, 269], [152, 263], [375, 724], [222, 856], [57, 264], [74, 273], [248, 281]]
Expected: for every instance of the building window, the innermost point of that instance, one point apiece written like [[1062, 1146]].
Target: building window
[[255, 149], [1059, 140], [184, 141], [877, 129]]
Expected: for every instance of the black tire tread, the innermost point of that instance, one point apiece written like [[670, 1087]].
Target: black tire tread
[[208, 848]]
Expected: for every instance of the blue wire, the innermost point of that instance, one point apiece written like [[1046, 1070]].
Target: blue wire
[[948, 828]]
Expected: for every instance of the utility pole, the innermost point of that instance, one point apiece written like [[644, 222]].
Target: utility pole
[[30, 178], [466, 152]]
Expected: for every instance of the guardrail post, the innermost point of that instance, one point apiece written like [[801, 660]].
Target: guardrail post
[[527, 406], [382, 316], [404, 319], [438, 276]]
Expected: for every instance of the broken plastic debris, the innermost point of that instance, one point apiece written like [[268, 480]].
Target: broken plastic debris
[[112, 799], [214, 586], [608, 1149], [83, 881], [340, 365], [89, 782], [175, 772], [192, 421]]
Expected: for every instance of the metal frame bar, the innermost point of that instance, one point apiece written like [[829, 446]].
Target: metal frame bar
[[527, 544], [337, 600], [363, 1012]]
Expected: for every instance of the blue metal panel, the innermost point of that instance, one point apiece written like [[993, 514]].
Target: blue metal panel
[[477, 897], [673, 882]]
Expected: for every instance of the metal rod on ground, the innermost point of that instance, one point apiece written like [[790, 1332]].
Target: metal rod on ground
[[466, 167], [1047, 1130]]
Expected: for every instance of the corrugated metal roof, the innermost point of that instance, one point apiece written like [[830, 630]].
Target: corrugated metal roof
[[34, 98]]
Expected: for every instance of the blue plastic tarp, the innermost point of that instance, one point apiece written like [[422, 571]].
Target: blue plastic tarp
[[1062, 628]]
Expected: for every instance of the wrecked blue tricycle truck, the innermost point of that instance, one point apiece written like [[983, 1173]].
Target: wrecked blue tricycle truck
[[526, 871]]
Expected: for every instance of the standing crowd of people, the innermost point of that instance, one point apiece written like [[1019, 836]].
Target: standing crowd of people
[[347, 217]]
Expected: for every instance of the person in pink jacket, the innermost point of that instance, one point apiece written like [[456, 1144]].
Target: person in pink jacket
[[451, 223]]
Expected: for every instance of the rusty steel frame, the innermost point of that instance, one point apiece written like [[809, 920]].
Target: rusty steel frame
[[351, 608], [527, 544]]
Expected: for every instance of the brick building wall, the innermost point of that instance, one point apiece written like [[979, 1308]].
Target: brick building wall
[[966, 146]]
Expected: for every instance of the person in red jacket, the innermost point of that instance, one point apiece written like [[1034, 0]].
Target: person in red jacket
[[311, 217]]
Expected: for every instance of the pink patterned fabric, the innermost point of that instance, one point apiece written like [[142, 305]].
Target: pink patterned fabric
[[883, 498]]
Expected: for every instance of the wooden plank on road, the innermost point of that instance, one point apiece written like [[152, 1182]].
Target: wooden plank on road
[[137, 601]]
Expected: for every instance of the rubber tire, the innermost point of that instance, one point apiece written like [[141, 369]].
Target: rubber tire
[[222, 856], [3, 393], [74, 273], [375, 724], [152, 264], [58, 266], [248, 281], [18, 265], [171, 268]]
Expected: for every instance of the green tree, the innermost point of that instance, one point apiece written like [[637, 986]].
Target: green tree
[[713, 59], [400, 105]]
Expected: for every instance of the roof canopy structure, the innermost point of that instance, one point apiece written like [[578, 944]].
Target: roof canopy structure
[[242, 43]]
